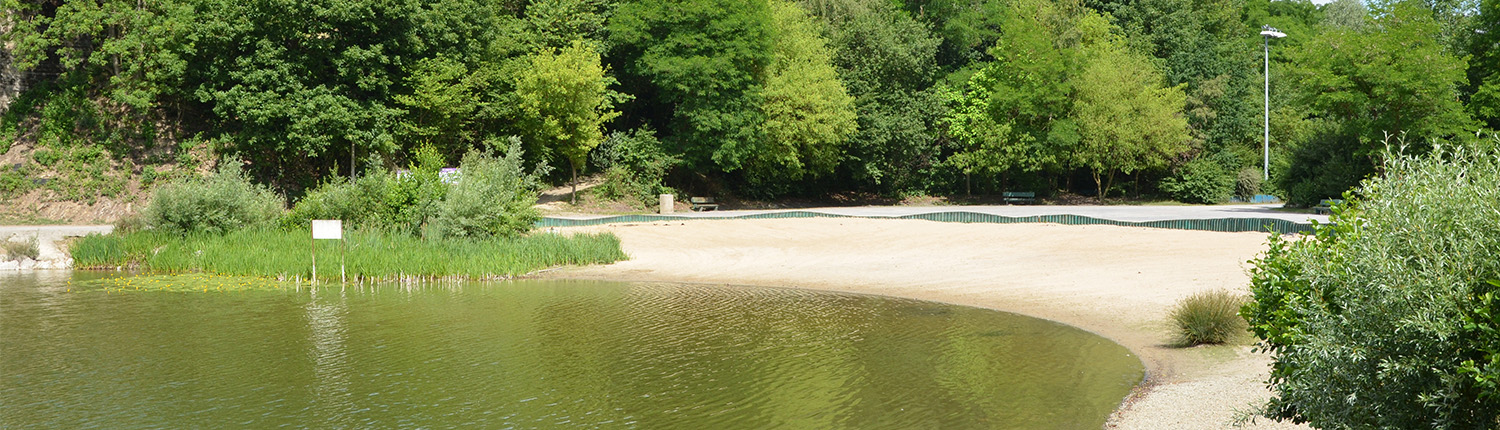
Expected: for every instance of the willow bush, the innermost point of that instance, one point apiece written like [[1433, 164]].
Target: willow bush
[[216, 204], [1387, 317]]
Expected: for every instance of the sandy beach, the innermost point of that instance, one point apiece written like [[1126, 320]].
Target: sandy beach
[[1118, 282]]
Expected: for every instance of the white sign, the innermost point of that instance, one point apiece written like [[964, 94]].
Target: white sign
[[327, 229]]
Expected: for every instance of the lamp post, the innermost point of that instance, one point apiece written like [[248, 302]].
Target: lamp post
[[1266, 33]]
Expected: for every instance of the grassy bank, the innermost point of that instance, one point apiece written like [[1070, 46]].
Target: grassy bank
[[378, 255]]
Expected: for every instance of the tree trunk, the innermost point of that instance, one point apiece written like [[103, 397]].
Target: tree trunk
[[1098, 185], [968, 185], [1109, 182], [573, 197]]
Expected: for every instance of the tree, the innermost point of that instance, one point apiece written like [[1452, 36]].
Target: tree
[[1127, 120], [563, 100], [1031, 82], [1484, 67], [1350, 14], [447, 106], [694, 66], [985, 144], [1390, 78], [808, 113], [1204, 45], [967, 28], [136, 48], [888, 63]]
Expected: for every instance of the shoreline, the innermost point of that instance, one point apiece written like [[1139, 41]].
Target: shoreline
[[1075, 275]]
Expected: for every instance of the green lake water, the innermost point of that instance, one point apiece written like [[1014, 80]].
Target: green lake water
[[538, 354]]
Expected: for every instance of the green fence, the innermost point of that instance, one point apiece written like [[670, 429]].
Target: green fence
[[1216, 224]]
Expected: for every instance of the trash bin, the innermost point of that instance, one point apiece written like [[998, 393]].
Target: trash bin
[[666, 203]]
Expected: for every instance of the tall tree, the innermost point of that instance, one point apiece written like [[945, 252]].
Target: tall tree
[[694, 67], [448, 108], [1393, 77], [888, 62], [985, 143], [563, 100], [1030, 83], [808, 112], [1128, 120], [1484, 67]]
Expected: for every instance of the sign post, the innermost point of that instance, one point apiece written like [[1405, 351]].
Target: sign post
[[326, 229]]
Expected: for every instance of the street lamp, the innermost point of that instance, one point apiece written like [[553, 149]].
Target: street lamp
[[1267, 32]]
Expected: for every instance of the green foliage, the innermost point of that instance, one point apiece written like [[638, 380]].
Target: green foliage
[[379, 199], [1204, 46], [1390, 78], [1208, 317], [888, 62], [563, 101], [218, 204], [808, 112], [15, 180], [493, 197], [1201, 180], [764, 95], [702, 60], [370, 254], [1247, 183], [1484, 66], [1385, 318], [448, 106], [1127, 120], [984, 144], [634, 165], [1030, 83]]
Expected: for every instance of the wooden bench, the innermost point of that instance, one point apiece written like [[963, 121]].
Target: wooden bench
[[703, 203], [1013, 197], [1326, 206]]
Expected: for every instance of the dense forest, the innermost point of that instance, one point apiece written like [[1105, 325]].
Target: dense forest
[[755, 98]]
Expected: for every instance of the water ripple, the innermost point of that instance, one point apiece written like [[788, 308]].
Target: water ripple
[[540, 355]]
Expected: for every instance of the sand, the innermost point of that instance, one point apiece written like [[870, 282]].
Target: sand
[[1118, 282]]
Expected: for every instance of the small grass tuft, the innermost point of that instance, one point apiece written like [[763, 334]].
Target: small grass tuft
[[1209, 317], [15, 250]]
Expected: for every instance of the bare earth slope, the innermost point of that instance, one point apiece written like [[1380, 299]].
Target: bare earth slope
[[1118, 282]]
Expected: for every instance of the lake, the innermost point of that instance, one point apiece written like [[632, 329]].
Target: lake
[[75, 353]]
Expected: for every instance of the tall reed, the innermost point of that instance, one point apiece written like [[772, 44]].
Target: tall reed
[[365, 254]]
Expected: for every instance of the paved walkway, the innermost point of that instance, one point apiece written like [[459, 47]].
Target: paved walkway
[[1116, 213]]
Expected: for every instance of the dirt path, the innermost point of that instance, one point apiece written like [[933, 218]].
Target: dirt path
[[1118, 282]]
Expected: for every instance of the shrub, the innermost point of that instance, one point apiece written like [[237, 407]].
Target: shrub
[[15, 250], [130, 223], [1200, 181], [14, 180], [217, 204], [493, 197], [380, 199], [634, 165], [1387, 317], [1248, 183], [1208, 317]]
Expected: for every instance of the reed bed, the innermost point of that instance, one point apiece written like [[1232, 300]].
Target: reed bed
[[374, 255]]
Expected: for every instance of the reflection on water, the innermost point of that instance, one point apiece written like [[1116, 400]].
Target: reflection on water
[[538, 354]]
